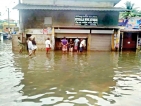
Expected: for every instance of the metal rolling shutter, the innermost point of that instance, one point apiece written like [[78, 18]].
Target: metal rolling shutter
[[69, 35], [100, 42]]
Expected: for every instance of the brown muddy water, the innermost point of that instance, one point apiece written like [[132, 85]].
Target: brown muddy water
[[56, 79]]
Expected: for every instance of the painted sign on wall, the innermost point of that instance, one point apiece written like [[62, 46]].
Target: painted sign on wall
[[132, 23], [90, 20], [47, 30]]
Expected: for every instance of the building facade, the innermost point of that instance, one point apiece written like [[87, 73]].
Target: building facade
[[4, 25], [95, 20], [130, 34]]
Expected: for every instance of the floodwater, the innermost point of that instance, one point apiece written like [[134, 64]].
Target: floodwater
[[56, 79]]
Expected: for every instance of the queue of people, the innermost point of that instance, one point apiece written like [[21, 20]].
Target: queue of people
[[77, 45]]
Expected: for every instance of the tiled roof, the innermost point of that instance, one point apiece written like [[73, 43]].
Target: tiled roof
[[54, 7]]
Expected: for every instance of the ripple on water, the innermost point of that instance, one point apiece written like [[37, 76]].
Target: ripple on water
[[69, 80]]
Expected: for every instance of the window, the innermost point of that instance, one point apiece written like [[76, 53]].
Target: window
[[48, 20]]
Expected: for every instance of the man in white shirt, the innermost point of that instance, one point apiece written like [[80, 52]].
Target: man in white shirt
[[30, 47], [76, 44], [48, 45], [82, 45]]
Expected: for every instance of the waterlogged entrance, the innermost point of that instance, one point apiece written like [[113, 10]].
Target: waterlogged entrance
[[56, 79]]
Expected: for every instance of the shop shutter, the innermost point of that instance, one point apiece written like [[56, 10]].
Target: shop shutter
[[100, 42]]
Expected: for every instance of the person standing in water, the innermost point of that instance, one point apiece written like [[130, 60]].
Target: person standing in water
[[64, 43], [48, 45], [82, 44], [30, 47], [71, 44], [76, 44], [34, 45]]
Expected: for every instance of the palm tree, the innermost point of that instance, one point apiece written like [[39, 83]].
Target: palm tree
[[139, 13], [130, 12]]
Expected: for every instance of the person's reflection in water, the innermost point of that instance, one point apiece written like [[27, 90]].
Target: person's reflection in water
[[48, 56], [31, 64], [64, 62], [47, 62], [64, 58], [75, 58]]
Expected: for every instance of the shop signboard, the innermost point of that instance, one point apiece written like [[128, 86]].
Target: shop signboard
[[88, 20], [132, 23]]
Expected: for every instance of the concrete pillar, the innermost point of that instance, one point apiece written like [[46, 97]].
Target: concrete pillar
[[15, 44], [137, 41], [89, 42], [118, 38], [21, 28], [53, 38], [113, 42], [122, 34]]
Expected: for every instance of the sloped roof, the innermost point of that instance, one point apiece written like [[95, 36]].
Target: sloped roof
[[54, 7]]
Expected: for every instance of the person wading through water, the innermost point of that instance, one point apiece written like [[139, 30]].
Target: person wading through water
[[34, 45], [30, 47], [48, 45], [64, 43]]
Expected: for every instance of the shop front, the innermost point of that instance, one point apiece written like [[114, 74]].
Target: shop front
[[101, 40], [130, 40], [96, 25], [96, 40], [130, 34], [70, 34]]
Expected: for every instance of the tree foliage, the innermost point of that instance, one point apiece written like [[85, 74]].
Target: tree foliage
[[131, 11]]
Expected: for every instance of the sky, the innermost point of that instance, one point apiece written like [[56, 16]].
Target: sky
[[13, 13], [137, 3]]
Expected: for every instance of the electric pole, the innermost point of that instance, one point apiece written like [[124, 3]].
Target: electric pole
[[8, 22]]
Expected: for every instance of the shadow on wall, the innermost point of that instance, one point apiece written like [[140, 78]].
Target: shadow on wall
[[108, 20]]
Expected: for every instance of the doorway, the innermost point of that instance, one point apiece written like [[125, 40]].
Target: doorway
[[58, 45], [28, 35], [129, 41]]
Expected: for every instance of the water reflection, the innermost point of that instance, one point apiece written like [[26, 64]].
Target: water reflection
[[56, 79]]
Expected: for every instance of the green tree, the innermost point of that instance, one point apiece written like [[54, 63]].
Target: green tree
[[139, 13], [131, 11]]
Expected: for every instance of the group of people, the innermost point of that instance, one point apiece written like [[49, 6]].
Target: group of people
[[67, 45], [77, 45], [32, 46]]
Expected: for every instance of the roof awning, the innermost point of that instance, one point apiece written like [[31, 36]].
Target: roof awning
[[131, 30], [102, 31], [86, 27], [54, 7]]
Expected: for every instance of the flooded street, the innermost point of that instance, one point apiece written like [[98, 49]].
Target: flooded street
[[56, 79]]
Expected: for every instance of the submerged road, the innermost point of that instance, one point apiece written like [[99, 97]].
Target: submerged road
[[56, 79]]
